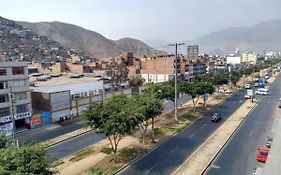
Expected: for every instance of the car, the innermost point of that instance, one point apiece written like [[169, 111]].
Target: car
[[247, 96], [221, 90], [256, 84], [266, 77], [227, 91], [247, 86], [216, 117], [269, 142], [262, 154], [257, 80], [262, 91]]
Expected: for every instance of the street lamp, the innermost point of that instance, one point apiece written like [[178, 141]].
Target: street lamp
[[176, 74]]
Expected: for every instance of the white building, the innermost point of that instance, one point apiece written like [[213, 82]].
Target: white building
[[14, 91]]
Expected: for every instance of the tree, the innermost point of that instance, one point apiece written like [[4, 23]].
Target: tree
[[234, 77], [117, 72], [136, 81], [27, 160], [112, 118]]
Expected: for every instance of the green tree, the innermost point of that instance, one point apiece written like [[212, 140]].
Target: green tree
[[136, 81], [234, 77], [113, 118], [117, 72], [27, 160]]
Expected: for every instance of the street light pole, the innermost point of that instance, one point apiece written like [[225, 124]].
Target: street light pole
[[176, 75]]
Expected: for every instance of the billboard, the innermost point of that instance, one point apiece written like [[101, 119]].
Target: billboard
[[233, 60]]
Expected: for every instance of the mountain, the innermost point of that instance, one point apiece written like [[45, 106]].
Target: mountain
[[20, 43], [92, 43], [264, 36]]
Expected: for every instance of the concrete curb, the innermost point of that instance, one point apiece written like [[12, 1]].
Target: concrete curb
[[72, 137]]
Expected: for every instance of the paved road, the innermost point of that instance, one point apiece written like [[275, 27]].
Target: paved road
[[239, 155], [48, 132], [171, 153], [74, 145]]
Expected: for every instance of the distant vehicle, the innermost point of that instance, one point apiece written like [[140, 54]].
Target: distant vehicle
[[247, 86], [262, 154], [216, 117], [279, 102], [266, 77], [258, 171], [256, 84], [221, 90], [227, 91], [247, 96], [269, 142], [262, 91], [257, 80]]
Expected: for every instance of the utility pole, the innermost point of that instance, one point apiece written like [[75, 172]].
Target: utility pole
[[13, 116], [176, 75]]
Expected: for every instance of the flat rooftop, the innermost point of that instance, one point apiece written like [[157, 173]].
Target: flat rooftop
[[63, 80]]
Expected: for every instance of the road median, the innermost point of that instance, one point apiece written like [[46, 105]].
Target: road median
[[202, 157]]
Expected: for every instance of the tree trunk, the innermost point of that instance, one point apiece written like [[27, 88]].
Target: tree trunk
[[193, 105], [152, 131]]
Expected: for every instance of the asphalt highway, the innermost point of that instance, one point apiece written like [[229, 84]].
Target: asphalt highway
[[239, 155], [171, 153]]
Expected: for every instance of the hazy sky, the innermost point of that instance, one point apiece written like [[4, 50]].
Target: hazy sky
[[169, 20]]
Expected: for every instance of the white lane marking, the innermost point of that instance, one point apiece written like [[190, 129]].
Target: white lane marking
[[251, 133], [240, 101], [215, 166], [204, 125], [174, 150], [191, 135], [151, 168]]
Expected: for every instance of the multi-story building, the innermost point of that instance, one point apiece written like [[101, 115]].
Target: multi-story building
[[193, 52], [249, 58], [159, 69], [14, 94]]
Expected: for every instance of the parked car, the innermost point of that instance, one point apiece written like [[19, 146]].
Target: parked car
[[247, 86], [257, 80], [216, 117], [247, 96], [221, 90], [269, 142], [262, 91], [262, 154], [256, 84], [266, 77]]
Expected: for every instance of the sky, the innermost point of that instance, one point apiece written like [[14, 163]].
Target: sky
[[165, 20]]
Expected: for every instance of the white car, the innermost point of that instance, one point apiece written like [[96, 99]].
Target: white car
[[261, 91], [227, 91], [247, 96], [247, 86]]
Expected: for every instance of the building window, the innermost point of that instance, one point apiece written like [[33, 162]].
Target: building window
[[20, 96], [19, 83], [4, 112], [2, 72], [4, 98], [21, 108], [3, 85], [17, 70]]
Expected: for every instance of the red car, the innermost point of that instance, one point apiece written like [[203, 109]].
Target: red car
[[262, 154]]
